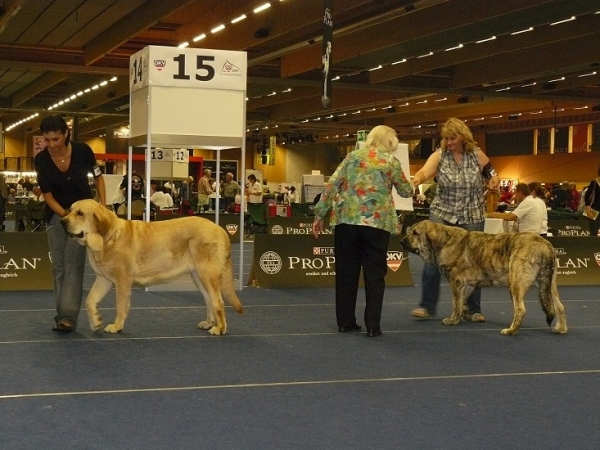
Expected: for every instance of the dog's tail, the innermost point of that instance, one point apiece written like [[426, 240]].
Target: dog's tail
[[547, 288], [227, 288]]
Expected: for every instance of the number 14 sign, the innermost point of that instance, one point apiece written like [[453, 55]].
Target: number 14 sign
[[188, 68]]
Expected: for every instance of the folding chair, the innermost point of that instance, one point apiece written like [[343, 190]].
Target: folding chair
[[300, 209], [35, 212], [257, 219]]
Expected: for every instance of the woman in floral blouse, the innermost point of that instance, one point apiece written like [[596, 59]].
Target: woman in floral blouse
[[359, 196]]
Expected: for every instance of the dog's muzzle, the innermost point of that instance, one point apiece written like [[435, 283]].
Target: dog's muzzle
[[406, 246], [65, 225]]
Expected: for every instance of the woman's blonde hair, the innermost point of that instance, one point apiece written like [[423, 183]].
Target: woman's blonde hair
[[456, 127], [383, 137]]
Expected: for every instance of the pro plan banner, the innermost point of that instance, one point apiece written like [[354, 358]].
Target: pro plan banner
[[292, 261], [327, 46], [569, 228], [578, 260], [296, 225], [25, 262]]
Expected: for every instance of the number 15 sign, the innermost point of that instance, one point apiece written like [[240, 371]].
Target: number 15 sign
[[188, 68]]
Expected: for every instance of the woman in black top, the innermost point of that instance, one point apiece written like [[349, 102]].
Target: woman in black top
[[592, 200], [62, 172]]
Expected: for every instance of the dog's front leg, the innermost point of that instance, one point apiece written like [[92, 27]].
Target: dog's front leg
[[99, 290], [458, 295], [123, 294]]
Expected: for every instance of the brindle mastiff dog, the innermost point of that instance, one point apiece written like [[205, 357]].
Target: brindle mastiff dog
[[475, 259], [124, 252]]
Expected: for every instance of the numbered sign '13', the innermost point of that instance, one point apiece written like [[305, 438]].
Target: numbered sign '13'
[[170, 155], [188, 68]]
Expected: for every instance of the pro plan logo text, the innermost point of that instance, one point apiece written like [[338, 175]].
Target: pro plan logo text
[[230, 70], [394, 259], [323, 251], [160, 64]]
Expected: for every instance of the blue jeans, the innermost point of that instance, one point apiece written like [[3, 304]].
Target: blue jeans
[[68, 265], [431, 277]]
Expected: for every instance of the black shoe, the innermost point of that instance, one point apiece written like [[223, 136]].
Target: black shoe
[[374, 333], [64, 326], [350, 329]]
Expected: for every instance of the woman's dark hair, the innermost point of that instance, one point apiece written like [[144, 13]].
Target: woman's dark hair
[[55, 123]]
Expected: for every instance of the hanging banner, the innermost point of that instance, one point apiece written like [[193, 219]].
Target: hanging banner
[[326, 58]]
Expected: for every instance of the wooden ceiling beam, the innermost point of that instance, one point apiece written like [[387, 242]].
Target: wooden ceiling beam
[[579, 53], [397, 29], [143, 17], [584, 26]]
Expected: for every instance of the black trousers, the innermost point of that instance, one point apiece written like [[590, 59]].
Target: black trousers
[[359, 247]]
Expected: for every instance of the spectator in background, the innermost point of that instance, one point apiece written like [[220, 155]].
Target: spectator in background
[[161, 198], [530, 212], [254, 190], [537, 192], [229, 190], [204, 191], [561, 196], [292, 196], [27, 184], [574, 197], [137, 186], [592, 201]]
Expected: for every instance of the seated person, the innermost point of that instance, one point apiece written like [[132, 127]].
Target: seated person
[[37, 194], [530, 212], [236, 206], [161, 198], [293, 196]]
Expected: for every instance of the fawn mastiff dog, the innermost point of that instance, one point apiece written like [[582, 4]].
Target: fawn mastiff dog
[[476, 259], [123, 252]]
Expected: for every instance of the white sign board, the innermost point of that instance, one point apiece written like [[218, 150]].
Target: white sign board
[[170, 154], [188, 68]]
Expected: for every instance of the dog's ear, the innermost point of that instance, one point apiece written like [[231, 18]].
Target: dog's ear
[[95, 242], [102, 220]]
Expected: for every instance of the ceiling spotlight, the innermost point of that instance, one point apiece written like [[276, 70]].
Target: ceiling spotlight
[[261, 33]]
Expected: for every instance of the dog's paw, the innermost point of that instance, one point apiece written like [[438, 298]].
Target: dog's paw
[[215, 331], [205, 325], [449, 321], [509, 332], [559, 330], [96, 325], [112, 328]]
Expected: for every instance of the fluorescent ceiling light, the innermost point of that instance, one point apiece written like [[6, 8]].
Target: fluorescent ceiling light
[[239, 18], [485, 40], [454, 48], [522, 31], [570, 19], [183, 45], [426, 55], [399, 62], [217, 28], [199, 37], [262, 7]]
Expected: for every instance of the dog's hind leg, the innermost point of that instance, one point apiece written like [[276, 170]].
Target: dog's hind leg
[[215, 307], [210, 320], [99, 289], [559, 309], [517, 293]]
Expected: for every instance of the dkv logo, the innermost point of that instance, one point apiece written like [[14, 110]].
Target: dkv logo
[[394, 259]]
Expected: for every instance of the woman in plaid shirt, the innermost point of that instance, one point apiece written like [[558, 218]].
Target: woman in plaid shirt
[[460, 169]]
